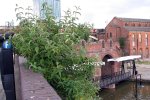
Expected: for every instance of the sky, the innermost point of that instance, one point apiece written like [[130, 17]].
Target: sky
[[96, 12]]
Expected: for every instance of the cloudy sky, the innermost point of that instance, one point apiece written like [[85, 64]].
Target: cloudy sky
[[97, 12]]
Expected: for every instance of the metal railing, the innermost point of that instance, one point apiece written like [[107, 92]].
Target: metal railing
[[114, 78]]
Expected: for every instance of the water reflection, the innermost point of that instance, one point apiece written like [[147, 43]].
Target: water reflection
[[126, 91]]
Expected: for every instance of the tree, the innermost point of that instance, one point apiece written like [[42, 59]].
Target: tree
[[52, 52]]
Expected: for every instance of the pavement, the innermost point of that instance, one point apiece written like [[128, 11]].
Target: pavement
[[2, 94], [29, 85], [144, 70], [34, 86]]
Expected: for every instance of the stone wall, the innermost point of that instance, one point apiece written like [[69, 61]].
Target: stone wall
[[33, 86]]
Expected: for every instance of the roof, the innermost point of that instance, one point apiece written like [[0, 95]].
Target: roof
[[133, 19], [130, 28], [125, 58], [93, 37]]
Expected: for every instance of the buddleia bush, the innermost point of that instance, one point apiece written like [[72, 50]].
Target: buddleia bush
[[50, 48]]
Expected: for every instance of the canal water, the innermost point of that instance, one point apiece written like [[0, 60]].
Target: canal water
[[127, 91]]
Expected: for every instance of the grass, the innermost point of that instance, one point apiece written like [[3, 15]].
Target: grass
[[143, 62]]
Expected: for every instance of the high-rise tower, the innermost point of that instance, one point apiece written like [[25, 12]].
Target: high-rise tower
[[54, 4]]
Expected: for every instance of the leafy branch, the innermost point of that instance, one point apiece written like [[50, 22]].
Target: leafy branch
[[50, 48]]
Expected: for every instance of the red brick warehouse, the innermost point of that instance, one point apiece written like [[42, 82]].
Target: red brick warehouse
[[105, 42], [135, 31]]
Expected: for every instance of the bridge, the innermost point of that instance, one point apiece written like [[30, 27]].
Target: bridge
[[115, 79], [104, 81], [112, 79], [96, 49]]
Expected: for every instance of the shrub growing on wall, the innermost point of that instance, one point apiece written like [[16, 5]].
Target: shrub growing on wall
[[50, 48], [122, 44]]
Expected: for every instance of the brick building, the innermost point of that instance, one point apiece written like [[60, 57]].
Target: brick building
[[103, 49], [104, 43], [135, 31]]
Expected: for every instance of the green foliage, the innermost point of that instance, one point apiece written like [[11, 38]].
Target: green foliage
[[51, 49], [143, 62], [122, 42]]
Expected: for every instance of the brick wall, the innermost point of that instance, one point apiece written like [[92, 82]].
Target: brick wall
[[94, 49], [33, 85], [140, 45], [117, 28]]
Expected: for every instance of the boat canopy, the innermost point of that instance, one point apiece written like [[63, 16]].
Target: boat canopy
[[125, 58]]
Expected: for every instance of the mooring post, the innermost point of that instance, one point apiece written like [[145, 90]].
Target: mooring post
[[136, 88], [123, 70], [134, 68], [140, 80]]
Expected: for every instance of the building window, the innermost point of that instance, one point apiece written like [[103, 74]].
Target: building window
[[133, 39], [110, 35], [134, 51], [140, 37], [103, 44], [147, 53], [107, 35], [140, 52], [110, 43], [126, 24], [146, 39], [139, 24], [133, 24], [145, 25]]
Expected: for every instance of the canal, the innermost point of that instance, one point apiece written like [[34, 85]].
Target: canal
[[127, 91]]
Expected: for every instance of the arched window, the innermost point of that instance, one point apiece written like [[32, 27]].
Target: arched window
[[126, 24], [110, 35], [134, 51], [140, 52], [146, 39], [107, 35], [110, 43], [103, 44], [133, 24], [133, 39], [147, 53], [139, 25], [140, 37]]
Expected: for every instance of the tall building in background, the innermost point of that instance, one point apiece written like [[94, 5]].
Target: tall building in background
[[54, 4]]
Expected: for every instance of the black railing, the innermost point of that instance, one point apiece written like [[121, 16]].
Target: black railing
[[114, 78]]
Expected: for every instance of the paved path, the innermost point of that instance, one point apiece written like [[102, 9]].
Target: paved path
[[2, 94], [34, 86], [144, 70], [29, 85]]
